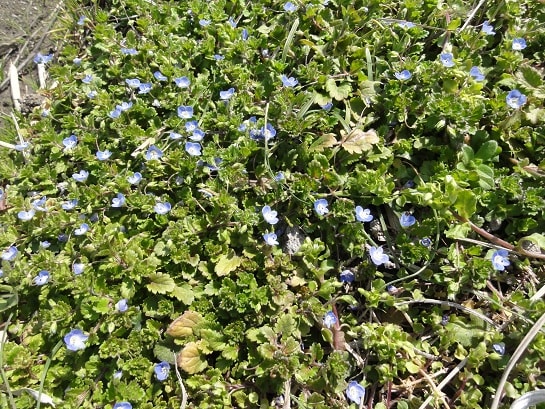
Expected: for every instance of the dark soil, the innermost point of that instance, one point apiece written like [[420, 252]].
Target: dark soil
[[24, 26]]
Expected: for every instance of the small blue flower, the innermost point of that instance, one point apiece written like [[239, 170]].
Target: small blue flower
[[226, 95], [45, 244], [269, 215], [267, 132], [363, 215], [122, 405], [103, 155], [128, 51], [518, 44], [377, 255], [185, 112], [43, 59], [63, 238], [271, 239], [190, 126], [476, 73], [162, 370], [42, 278], [153, 153], [162, 207], [500, 259], [327, 106], [81, 21], [320, 206], [426, 242], [10, 253], [22, 146], [279, 176], [232, 22], [77, 61], [244, 35], [26, 216], [40, 204], [488, 29], [81, 230], [117, 375], [515, 99], [159, 76], [182, 82], [290, 7], [175, 135], [193, 148], [447, 60], [499, 348], [122, 305], [406, 24], [135, 178], [81, 176], [144, 88], [289, 82], [70, 142], [347, 276], [391, 289], [219, 57], [330, 319], [91, 94], [87, 79], [204, 22], [115, 113], [406, 219], [403, 75], [197, 135], [77, 268], [124, 106], [119, 200], [355, 392], [75, 340]]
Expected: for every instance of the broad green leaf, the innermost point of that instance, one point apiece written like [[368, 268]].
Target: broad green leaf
[[467, 154], [184, 324], [227, 263], [466, 203], [358, 141], [161, 283], [325, 141], [488, 150], [285, 325], [412, 367], [536, 238], [337, 92], [486, 177], [530, 75], [191, 360], [184, 293], [162, 353]]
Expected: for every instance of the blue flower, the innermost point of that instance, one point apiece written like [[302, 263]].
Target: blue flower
[[267, 132], [270, 239], [63, 238], [193, 148], [232, 22], [347, 276], [500, 259], [39, 204], [197, 135], [355, 392], [391, 289], [162, 207], [426, 242], [363, 215], [77, 61], [406, 24], [122, 405], [159, 76], [135, 178], [42, 278], [103, 155], [204, 22], [115, 113], [144, 88], [77, 268], [476, 73], [162, 370], [406, 219], [290, 7], [128, 51], [488, 29], [182, 82], [190, 126], [81, 176], [219, 57], [403, 75], [377, 255], [175, 136], [87, 79], [330, 319], [26, 216], [447, 59], [75, 340], [185, 112], [515, 99], [269, 215], [10, 253], [244, 35], [70, 142], [122, 305], [289, 82], [45, 244], [518, 44], [133, 82], [117, 375], [153, 153], [43, 59], [70, 204], [226, 95], [327, 106], [22, 146], [124, 106], [320, 206], [91, 94], [81, 230], [499, 348], [279, 176], [119, 200]]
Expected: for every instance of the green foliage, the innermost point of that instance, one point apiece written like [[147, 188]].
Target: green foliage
[[181, 267]]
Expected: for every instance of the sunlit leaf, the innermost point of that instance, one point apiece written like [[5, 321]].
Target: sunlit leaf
[[191, 360], [184, 324]]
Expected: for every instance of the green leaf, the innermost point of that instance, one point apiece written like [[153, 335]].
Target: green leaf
[[466, 203], [358, 141], [412, 367], [190, 359], [227, 263], [184, 293], [184, 324], [488, 150], [337, 92], [285, 325], [486, 177], [162, 353], [467, 154], [325, 141], [161, 283]]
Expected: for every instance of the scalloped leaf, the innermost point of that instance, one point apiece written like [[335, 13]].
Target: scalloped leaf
[[161, 283], [191, 360], [184, 324], [227, 263], [358, 141], [184, 293]]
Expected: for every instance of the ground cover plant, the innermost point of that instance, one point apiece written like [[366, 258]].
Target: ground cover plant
[[314, 204]]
